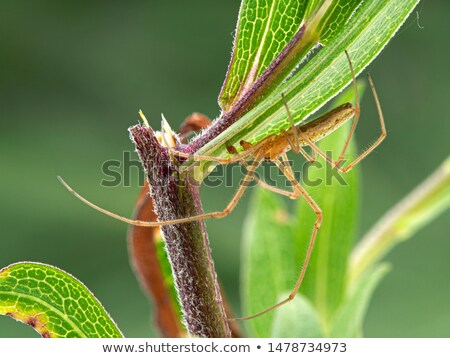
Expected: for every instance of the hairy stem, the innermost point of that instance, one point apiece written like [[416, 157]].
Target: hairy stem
[[187, 244]]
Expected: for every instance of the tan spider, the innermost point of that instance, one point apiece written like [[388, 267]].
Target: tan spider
[[272, 148]]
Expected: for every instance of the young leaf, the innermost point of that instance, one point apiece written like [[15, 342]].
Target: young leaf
[[268, 263], [53, 302], [420, 207], [297, 319], [347, 323]]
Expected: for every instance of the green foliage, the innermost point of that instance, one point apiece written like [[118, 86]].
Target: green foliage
[[364, 34], [53, 302]]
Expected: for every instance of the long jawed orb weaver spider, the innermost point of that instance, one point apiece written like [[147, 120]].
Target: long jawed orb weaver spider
[[272, 148]]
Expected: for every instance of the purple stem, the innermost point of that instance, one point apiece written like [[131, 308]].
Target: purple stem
[[187, 244]]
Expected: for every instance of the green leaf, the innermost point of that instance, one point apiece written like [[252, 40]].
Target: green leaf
[[264, 28], [272, 39], [269, 268], [337, 195], [53, 302], [337, 16], [348, 320], [297, 318], [420, 207], [364, 35]]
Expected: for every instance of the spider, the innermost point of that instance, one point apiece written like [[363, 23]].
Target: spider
[[272, 148]]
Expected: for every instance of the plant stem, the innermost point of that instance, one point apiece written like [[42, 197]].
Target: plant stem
[[187, 244], [143, 252], [417, 209]]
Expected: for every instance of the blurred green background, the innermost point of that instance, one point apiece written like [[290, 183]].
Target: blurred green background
[[72, 78]]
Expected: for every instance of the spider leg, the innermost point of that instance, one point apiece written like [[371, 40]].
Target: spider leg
[[364, 154], [263, 184], [287, 171], [217, 214]]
